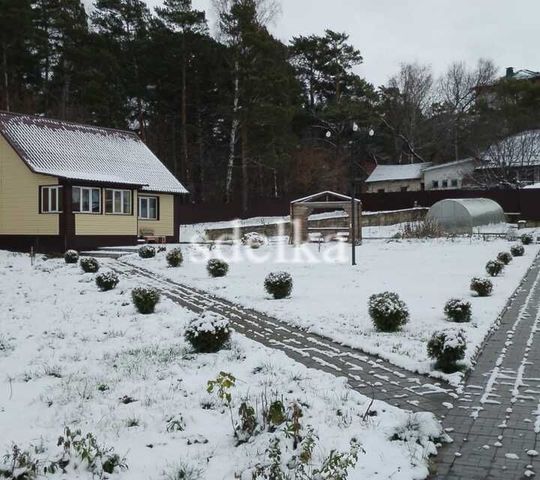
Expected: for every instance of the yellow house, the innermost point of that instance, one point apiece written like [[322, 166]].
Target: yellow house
[[65, 185]]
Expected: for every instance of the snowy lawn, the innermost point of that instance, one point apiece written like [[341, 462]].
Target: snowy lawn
[[332, 298], [72, 356]]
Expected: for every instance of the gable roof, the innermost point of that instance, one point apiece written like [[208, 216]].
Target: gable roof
[[456, 163], [324, 197], [388, 173], [82, 152], [520, 150]]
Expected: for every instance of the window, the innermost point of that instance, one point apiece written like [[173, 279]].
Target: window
[[445, 183], [435, 184], [148, 208], [380, 190], [454, 183], [404, 189], [118, 201], [51, 199], [86, 200]]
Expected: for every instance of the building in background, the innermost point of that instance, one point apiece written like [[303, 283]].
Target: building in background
[[449, 176], [397, 178]]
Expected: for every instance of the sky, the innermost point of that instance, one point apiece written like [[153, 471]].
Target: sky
[[434, 32]]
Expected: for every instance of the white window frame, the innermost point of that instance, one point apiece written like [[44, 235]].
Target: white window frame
[[147, 198], [51, 189], [89, 211], [123, 193]]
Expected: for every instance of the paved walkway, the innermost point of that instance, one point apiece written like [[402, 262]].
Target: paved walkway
[[496, 421]]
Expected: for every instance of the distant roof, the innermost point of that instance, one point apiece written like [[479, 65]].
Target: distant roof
[[83, 152], [449, 164], [518, 150], [388, 173], [525, 75]]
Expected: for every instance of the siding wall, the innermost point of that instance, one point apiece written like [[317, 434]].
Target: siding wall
[[395, 186], [165, 224], [19, 197]]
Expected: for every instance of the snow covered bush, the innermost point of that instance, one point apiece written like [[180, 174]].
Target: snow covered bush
[[526, 239], [517, 250], [278, 284], [147, 251], [253, 240], [458, 310], [483, 287], [388, 312], [174, 257], [217, 267], [89, 264], [71, 256], [145, 299], [447, 347], [494, 267], [208, 333], [107, 281], [504, 257]]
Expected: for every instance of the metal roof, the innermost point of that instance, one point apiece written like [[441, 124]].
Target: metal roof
[[388, 173]]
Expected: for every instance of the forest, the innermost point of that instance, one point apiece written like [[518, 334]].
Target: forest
[[235, 112]]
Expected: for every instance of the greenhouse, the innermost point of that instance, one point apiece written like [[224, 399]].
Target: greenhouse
[[462, 215]]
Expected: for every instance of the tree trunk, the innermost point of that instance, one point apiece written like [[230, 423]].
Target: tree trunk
[[7, 105], [202, 172], [245, 178], [234, 132], [185, 150]]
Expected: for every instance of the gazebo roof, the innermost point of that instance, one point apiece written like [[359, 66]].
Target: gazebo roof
[[324, 197]]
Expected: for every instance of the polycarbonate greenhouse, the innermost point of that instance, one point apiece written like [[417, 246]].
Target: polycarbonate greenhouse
[[462, 215]]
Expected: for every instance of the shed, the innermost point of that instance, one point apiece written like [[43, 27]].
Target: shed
[[461, 215]]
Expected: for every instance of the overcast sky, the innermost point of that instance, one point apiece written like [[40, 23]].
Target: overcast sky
[[435, 32]]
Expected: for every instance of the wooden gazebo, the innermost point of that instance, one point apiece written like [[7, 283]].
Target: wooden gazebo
[[302, 208]]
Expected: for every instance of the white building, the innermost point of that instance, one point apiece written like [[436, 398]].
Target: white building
[[448, 176], [397, 178]]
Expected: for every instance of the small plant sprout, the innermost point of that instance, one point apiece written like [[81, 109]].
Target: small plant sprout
[[222, 385]]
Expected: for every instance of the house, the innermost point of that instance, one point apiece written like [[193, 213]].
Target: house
[[449, 176], [65, 185], [397, 178], [487, 94]]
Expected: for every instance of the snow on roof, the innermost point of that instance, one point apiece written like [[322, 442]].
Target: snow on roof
[[387, 173], [518, 150], [326, 194], [449, 164], [84, 152], [525, 74]]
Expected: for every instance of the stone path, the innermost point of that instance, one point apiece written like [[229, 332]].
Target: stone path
[[495, 422]]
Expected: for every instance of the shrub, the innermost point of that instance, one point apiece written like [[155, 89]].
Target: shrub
[[388, 312], [278, 284], [526, 239], [517, 250], [107, 281], [145, 299], [482, 286], [174, 257], [89, 264], [147, 251], [217, 267], [494, 267], [424, 229], [504, 257], [71, 256], [253, 240], [447, 347], [458, 310], [208, 333]]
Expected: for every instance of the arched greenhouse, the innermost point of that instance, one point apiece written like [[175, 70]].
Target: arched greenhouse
[[462, 215]]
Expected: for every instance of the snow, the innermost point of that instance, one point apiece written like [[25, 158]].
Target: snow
[[83, 152], [74, 356], [385, 173], [330, 297]]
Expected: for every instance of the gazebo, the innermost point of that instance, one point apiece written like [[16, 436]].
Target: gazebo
[[302, 208]]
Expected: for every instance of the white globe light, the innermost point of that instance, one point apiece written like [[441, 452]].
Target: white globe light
[[371, 132], [328, 134]]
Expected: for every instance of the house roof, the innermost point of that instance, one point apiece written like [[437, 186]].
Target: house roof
[[449, 164], [87, 153], [388, 173], [525, 74], [521, 150]]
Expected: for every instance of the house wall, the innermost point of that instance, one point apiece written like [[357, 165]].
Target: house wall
[[394, 186], [448, 173], [19, 197], [165, 225]]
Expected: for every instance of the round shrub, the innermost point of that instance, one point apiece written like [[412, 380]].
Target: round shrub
[[208, 333], [388, 312], [147, 251], [145, 299], [447, 347], [89, 264], [494, 267], [517, 250], [217, 267], [174, 257], [482, 286], [504, 257], [278, 284], [253, 240], [71, 256], [458, 310], [107, 281], [526, 239]]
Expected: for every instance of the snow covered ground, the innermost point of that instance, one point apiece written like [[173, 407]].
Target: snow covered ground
[[73, 356], [330, 297]]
